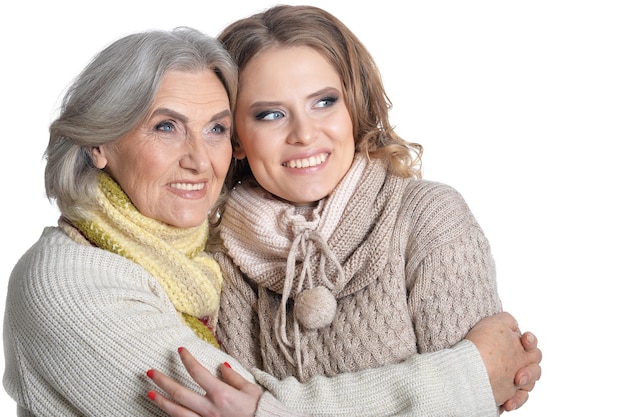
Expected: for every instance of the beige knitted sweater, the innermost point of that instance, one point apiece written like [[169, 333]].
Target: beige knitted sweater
[[383, 268]]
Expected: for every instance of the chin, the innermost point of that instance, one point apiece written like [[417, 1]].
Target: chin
[[186, 222]]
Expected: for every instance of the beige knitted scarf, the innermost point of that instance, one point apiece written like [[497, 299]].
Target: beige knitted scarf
[[311, 255], [175, 257]]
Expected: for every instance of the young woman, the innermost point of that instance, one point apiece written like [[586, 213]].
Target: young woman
[[337, 256]]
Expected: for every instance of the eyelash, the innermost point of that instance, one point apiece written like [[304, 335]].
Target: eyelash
[[331, 100], [262, 115], [166, 123], [222, 128], [170, 124]]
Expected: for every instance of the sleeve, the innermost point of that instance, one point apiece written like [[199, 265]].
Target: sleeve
[[450, 382], [83, 326], [450, 270]]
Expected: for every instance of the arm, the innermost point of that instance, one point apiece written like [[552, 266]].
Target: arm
[[450, 271], [82, 327], [436, 384], [448, 382]]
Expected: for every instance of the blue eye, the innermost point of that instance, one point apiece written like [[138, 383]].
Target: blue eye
[[218, 129], [166, 126], [326, 102], [269, 115]]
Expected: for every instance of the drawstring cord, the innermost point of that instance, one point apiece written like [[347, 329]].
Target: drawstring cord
[[303, 243]]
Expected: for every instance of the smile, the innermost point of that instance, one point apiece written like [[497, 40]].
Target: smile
[[187, 186], [306, 162]]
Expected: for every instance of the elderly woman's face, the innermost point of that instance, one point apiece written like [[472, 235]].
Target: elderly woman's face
[[173, 164]]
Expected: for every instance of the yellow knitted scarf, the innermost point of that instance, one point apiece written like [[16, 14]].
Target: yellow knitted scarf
[[175, 257]]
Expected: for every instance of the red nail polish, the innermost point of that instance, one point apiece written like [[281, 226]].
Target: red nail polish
[[152, 395], [180, 349], [150, 373], [226, 364]]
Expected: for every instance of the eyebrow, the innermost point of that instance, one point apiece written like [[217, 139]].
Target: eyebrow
[[176, 115], [324, 91], [320, 92]]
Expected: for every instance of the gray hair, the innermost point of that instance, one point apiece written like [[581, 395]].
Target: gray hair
[[112, 95]]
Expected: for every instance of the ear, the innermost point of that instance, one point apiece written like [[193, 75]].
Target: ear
[[98, 157], [238, 151]]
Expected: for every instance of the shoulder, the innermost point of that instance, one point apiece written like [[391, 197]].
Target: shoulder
[[57, 272], [56, 252], [434, 213], [435, 200]]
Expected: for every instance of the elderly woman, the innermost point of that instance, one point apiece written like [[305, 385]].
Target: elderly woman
[[136, 160]]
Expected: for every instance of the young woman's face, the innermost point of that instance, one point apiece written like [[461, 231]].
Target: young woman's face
[[173, 164], [293, 124]]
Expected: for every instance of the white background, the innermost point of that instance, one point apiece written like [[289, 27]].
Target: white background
[[521, 105]]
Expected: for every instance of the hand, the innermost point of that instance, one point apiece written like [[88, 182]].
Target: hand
[[525, 377], [236, 397], [512, 360]]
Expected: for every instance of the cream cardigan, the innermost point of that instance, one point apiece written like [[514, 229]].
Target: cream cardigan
[[82, 326]]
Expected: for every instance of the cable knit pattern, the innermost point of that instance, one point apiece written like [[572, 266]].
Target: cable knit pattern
[[416, 274]]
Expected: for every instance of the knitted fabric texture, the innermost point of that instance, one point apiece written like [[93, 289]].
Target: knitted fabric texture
[[174, 256], [74, 311], [381, 245]]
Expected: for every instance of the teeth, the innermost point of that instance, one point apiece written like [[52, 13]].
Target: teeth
[[307, 162], [187, 187]]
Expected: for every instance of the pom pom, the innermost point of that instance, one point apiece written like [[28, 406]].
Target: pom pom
[[315, 308]]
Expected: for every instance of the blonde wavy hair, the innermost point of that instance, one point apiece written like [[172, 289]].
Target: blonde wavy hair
[[367, 100]]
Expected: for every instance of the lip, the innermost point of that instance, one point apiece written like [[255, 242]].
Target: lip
[[192, 190]]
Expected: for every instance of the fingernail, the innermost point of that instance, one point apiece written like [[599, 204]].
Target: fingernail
[[226, 364], [180, 349], [523, 380], [150, 373], [152, 395], [531, 338]]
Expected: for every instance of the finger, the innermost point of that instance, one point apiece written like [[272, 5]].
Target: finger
[[199, 373], [232, 377], [171, 408], [179, 394], [529, 341], [526, 377], [518, 400], [235, 380], [162, 381]]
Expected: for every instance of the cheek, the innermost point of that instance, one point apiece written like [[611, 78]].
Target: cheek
[[222, 161], [248, 134], [341, 131]]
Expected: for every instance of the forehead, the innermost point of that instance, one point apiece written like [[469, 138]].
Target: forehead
[[287, 64], [197, 84], [192, 94]]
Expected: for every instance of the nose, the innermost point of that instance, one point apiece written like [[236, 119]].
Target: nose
[[303, 130], [196, 158]]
